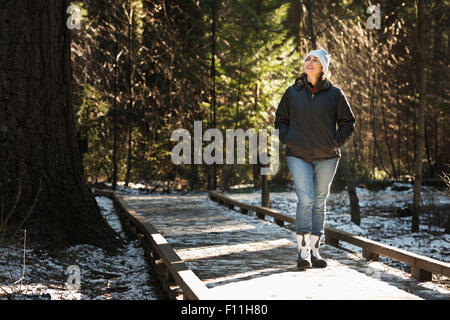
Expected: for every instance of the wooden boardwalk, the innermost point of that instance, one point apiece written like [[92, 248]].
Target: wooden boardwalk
[[242, 257]]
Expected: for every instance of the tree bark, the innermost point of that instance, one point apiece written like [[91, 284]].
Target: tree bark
[[311, 31], [130, 93], [295, 27], [40, 155], [386, 139], [353, 196], [256, 167], [265, 192], [420, 140], [115, 125], [213, 184]]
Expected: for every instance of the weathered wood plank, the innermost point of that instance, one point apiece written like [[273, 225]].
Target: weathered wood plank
[[369, 255], [414, 260], [331, 241], [193, 288], [260, 211], [279, 222], [244, 211], [420, 274]]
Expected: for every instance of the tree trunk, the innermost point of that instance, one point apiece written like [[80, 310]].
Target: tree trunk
[[130, 92], [311, 31], [447, 227], [37, 129], [427, 147], [238, 96], [227, 177], [115, 126], [353, 196], [438, 85], [376, 145], [256, 167], [265, 192], [386, 139], [295, 27], [213, 85], [256, 170], [420, 140]]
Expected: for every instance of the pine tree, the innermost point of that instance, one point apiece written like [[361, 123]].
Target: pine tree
[[42, 171]]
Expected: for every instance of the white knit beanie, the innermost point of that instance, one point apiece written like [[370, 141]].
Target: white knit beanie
[[323, 57]]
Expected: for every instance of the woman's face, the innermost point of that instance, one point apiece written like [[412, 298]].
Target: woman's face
[[312, 66]]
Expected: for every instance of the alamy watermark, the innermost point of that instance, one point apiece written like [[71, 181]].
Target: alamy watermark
[[214, 152], [374, 21], [74, 280], [74, 21]]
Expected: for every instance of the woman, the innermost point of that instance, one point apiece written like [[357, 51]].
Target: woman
[[307, 117]]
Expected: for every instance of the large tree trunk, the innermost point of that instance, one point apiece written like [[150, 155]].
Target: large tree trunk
[[37, 140], [130, 93], [420, 115], [295, 27], [311, 31]]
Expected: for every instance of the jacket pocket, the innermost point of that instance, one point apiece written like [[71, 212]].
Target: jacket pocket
[[338, 145], [295, 140], [326, 138], [335, 143], [288, 137]]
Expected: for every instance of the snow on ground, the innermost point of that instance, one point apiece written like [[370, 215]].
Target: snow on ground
[[124, 276], [140, 188], [378, 221]]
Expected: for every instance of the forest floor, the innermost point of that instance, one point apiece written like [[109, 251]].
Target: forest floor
[[125, 276]]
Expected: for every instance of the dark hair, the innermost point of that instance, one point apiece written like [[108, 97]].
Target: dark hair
[[303, 74], [322, 76]]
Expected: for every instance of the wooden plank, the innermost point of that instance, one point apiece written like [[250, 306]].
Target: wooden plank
[[102, 193], [331, 241], [420, 274], [261, 216], [244, 211], [260, 211], [369, 255], [432, 266], [193, 288], [414, 260]]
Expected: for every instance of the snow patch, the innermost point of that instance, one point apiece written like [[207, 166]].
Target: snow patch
[[124, 276]]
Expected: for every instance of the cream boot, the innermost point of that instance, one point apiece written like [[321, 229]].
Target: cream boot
[[304, 255], [316, 260]]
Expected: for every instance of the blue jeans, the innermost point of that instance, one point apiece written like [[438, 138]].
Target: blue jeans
[[312, 185]]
